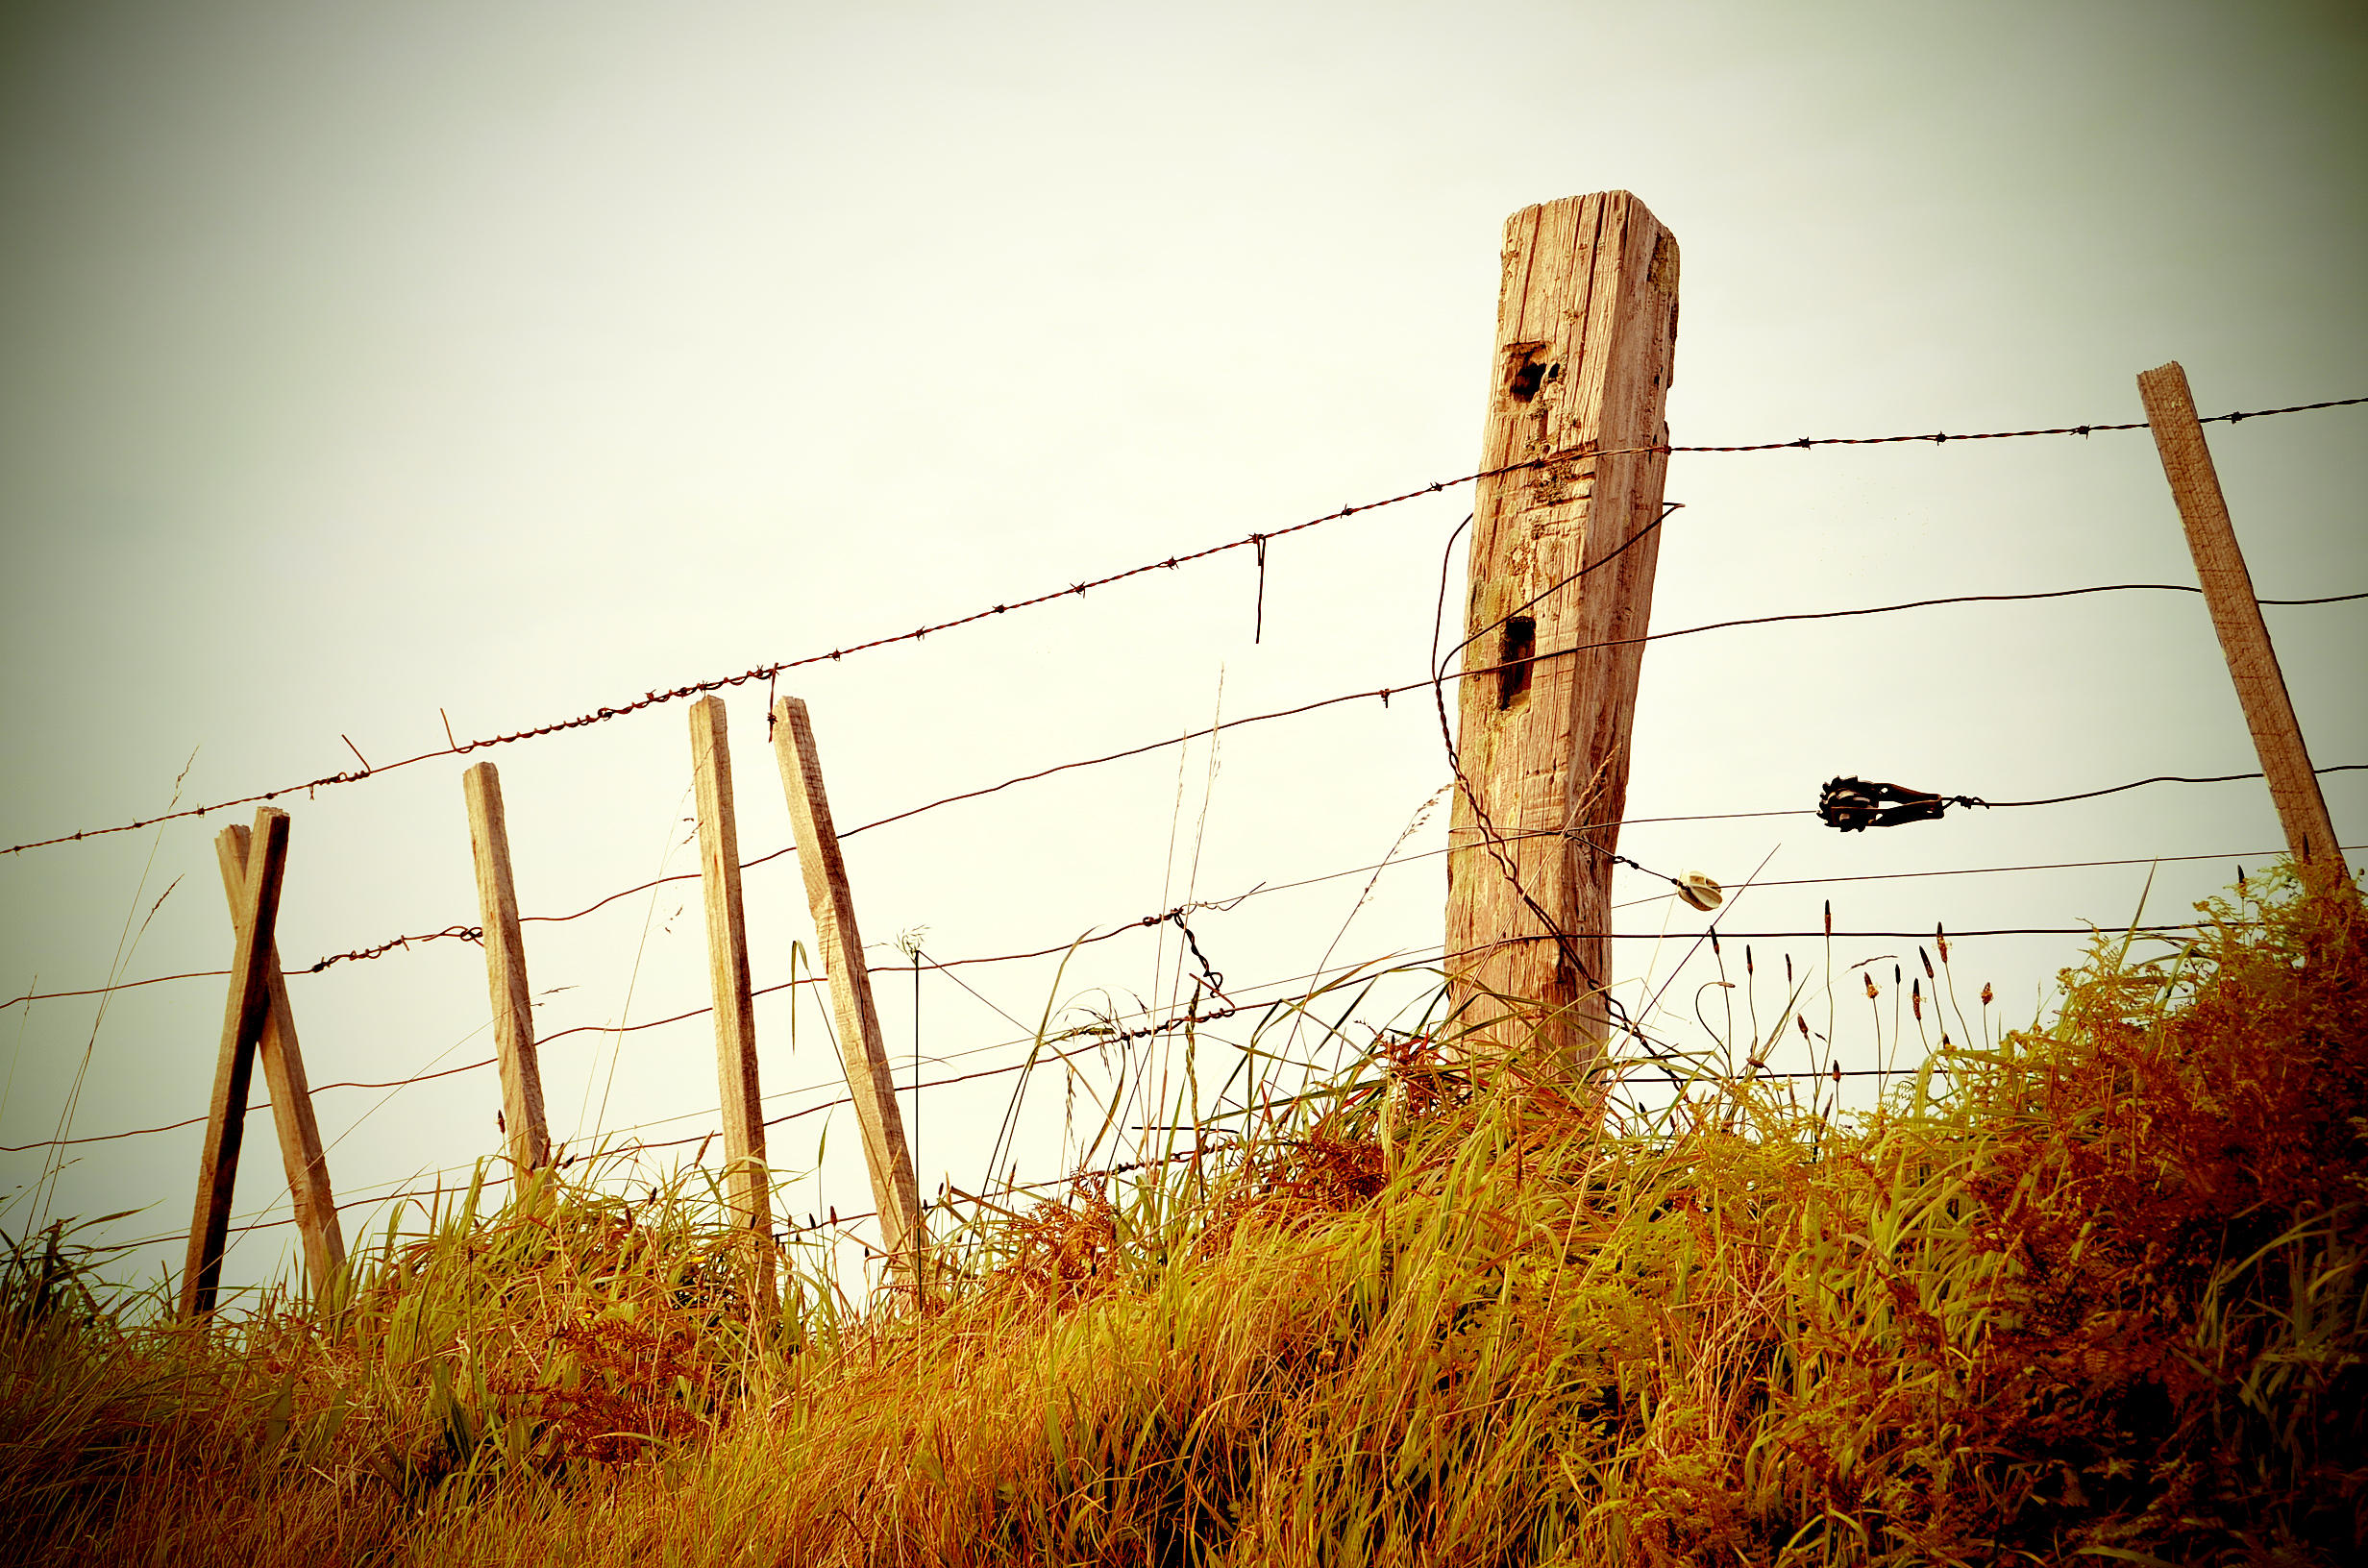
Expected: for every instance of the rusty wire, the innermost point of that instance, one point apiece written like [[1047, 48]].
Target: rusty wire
[[466, 932]]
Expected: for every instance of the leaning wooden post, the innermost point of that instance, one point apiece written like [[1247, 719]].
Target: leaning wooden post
[[2236, 616], [862, 1050], [291, 1094], [256, 914], [506, 972], [748, 1181], [1563, 554]]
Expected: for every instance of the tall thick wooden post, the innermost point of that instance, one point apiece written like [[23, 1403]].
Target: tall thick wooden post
[[863, 1051], [255, 915], [748, 1182], [1561, 558], [506, 972], [291, 1093], [2236, 616]]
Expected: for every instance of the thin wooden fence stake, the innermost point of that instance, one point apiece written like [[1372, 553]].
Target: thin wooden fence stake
[[1586, 339], [291, 1094], [255, 915], [748, 1179], [862, 1050], [2236, 616], [506, 972]]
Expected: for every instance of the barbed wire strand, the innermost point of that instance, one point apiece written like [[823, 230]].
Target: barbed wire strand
[[1262, 889], [1151, 920], [768, 672], [475, 934]]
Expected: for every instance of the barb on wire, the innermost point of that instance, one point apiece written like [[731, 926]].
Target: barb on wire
[[466, 932], [768, 672]]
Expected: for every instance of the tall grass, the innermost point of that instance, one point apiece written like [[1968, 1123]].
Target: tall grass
[[2095, 1292]]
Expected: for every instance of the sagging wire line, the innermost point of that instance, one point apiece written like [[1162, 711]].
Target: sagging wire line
[[2166, 778], [1385, 693], [1625, 1069], [1930, 603], [638, 1146], [1939, 437], [122, 985], [1214, 980], [1264, 888], [1652, 1063], [1182, 1021], [470, 933], [769, 672], [1439, 676]]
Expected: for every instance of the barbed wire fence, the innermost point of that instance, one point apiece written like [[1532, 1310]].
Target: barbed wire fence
[[1044, 1047]]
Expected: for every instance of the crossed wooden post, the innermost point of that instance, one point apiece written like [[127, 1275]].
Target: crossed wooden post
[[257, 1021]]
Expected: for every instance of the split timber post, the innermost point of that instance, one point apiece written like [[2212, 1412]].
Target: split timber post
[[291, 1093], [861, 1049], [255, 915], [506, 972], [748, 1181], [1586, 339], [2236, 616]]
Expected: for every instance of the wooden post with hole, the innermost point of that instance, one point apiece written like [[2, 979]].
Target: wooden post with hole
[[748, 1180], [291, 1095], [1563, 554], [862, 1050], [2236, 616], [255, 915], [506, 972]]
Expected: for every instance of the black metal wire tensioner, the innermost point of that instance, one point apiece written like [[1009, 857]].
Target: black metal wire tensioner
[[1853, 805]]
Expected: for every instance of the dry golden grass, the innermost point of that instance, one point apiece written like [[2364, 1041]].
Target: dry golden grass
[[2097, 1292]]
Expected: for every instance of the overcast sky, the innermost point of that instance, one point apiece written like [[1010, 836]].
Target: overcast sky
[[366, 367]]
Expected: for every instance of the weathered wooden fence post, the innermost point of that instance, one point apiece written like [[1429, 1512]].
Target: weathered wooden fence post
[[291, 1093], [506, 972], [2236, 616], [255, 915], [1563, 553], [748, 1180], [862, 1050]]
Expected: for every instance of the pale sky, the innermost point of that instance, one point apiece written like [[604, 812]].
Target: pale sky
[[512, 359]]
